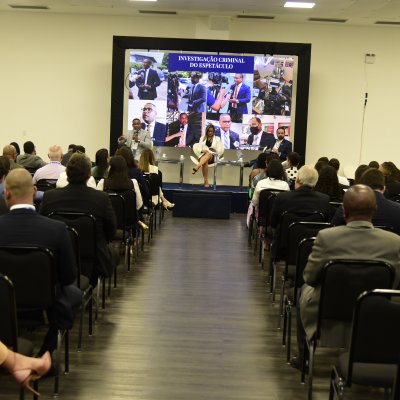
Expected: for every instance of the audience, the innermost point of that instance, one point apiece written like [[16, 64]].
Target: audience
[[10, 152], [292, 164], [52, 170], [68, 154], [328, 183], [392, 179], [359, 171], [29, 159], [334, 162], [373, 164], [78, 197], [4, 169], [100, 170], [17, 149]]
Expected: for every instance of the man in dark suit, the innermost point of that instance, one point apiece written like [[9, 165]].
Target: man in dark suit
[[24, 226], [187, 135], [280, 145], [229, 139], [157, 130], [257, 137], [147, 80], [303, 198], [240, 96], [78, 197], [197, 94], [4, 170], [387, 213]]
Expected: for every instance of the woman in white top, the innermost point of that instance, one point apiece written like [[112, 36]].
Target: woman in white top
[[147, 163], [209, 144], [276, 179]]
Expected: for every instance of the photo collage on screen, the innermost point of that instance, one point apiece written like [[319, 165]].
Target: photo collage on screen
[[176, 95]]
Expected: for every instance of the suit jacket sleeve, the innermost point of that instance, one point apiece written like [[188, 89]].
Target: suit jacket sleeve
[[246, 97], [201, 95], [145, 140], [316, 261], [155, 80]]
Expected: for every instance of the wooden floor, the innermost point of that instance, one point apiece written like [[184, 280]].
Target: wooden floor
[[192, 321]]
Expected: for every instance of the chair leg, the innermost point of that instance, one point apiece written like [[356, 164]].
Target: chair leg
[[273, 282], [281, 301], [90, 305], [96, 315], [80, 334], [66, 351], [289, 332], [310, 368], [284, 328], [250, 233], [332, 385], [58, 364]]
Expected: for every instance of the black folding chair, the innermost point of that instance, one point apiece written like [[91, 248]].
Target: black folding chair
[[349, 278], [32, 271], [9, 326], [46, 184], [373, 356]]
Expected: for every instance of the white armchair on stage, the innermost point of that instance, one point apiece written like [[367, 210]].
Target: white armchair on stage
[[200, 147]]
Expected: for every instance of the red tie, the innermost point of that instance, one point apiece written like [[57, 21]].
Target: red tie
[[234, 105]]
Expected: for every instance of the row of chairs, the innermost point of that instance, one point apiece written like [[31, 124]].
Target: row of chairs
[[294, 239]]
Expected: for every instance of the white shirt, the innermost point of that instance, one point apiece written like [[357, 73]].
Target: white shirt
[[49, 171], [63, 181], [257, 139], [267, 183]]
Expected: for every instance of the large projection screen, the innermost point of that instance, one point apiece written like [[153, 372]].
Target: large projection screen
[[281, 69]]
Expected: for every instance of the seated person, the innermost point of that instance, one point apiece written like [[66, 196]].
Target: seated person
[[29, 159], [52, 170], [100, 170]]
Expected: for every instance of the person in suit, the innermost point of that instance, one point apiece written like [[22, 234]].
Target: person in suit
[[280, 145], [356, 240], [303, 198], [78, 197], [257, 137], [197, 94], [147, 79], [229, 139], [187, 135], [24, 226], [208, 145], [137, 140], [157, 130], [240, 96], [4, 170]]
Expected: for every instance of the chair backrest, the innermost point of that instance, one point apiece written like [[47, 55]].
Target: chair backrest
[[153, 181], [85, 225], [285, 220], [298, 231], [33, 273], [396, 385], [265, 203], [304, 249], [8, 313], [342, 281], [124, 205], [46, 184], [376, 329]]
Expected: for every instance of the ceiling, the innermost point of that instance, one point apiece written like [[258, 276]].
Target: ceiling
[[352, 12]]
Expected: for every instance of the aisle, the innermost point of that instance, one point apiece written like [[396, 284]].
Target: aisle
[[193, 321]]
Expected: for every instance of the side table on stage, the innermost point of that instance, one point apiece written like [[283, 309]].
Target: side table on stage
[[239, 163], [180, 161]]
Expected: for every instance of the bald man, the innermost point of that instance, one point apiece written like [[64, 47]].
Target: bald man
[[24, 226], [356, 240], [52, 170]]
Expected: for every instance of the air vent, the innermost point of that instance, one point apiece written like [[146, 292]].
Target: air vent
[[387, 22], [337, 20], [158, 12], [28, 7], [254, 16]]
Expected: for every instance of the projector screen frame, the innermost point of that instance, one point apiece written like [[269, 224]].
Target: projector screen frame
[[123, 43]]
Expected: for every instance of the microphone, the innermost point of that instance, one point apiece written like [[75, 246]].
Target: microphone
[[181, 127]]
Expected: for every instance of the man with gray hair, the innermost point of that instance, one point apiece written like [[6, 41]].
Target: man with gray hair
[[11, 153], [52, 170], [303, 198]]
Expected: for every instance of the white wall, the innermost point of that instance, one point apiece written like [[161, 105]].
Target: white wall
[[56, 79]]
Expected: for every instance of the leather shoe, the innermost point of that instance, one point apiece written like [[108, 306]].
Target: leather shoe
[[295, 362]]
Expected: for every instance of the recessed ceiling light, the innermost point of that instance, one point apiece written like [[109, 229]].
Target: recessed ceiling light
[[143, 0], [297, 4]]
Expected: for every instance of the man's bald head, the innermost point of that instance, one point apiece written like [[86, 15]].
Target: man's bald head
[[18, 187], [55, 153], [359, 203]]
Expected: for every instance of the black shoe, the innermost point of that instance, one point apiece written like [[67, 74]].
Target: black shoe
[[295, 362]]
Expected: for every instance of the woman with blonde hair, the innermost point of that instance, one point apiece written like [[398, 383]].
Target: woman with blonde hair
[[147, 164], [209, 145]]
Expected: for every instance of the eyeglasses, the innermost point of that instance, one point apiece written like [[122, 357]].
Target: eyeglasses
[[147, 109]]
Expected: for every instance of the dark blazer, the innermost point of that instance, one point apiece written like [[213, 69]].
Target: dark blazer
[[244, 96], [198, 100], [80, 198], [160, 131], [233, 137], [193, 135], [263, 141], [387, 213], [27, 227], [301, 199], [153, 80], [284, 148]]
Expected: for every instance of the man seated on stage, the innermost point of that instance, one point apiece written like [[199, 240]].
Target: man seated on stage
[[137, 140], [388, 211], [24, 226], [30, 160], [78, 197], [279, 146], [52, 170], [257, 138], [356, 240]]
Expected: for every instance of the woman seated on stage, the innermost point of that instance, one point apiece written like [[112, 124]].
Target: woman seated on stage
[[147, 164], [209, 145]]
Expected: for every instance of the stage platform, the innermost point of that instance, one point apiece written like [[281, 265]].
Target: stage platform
[[196, 201]]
